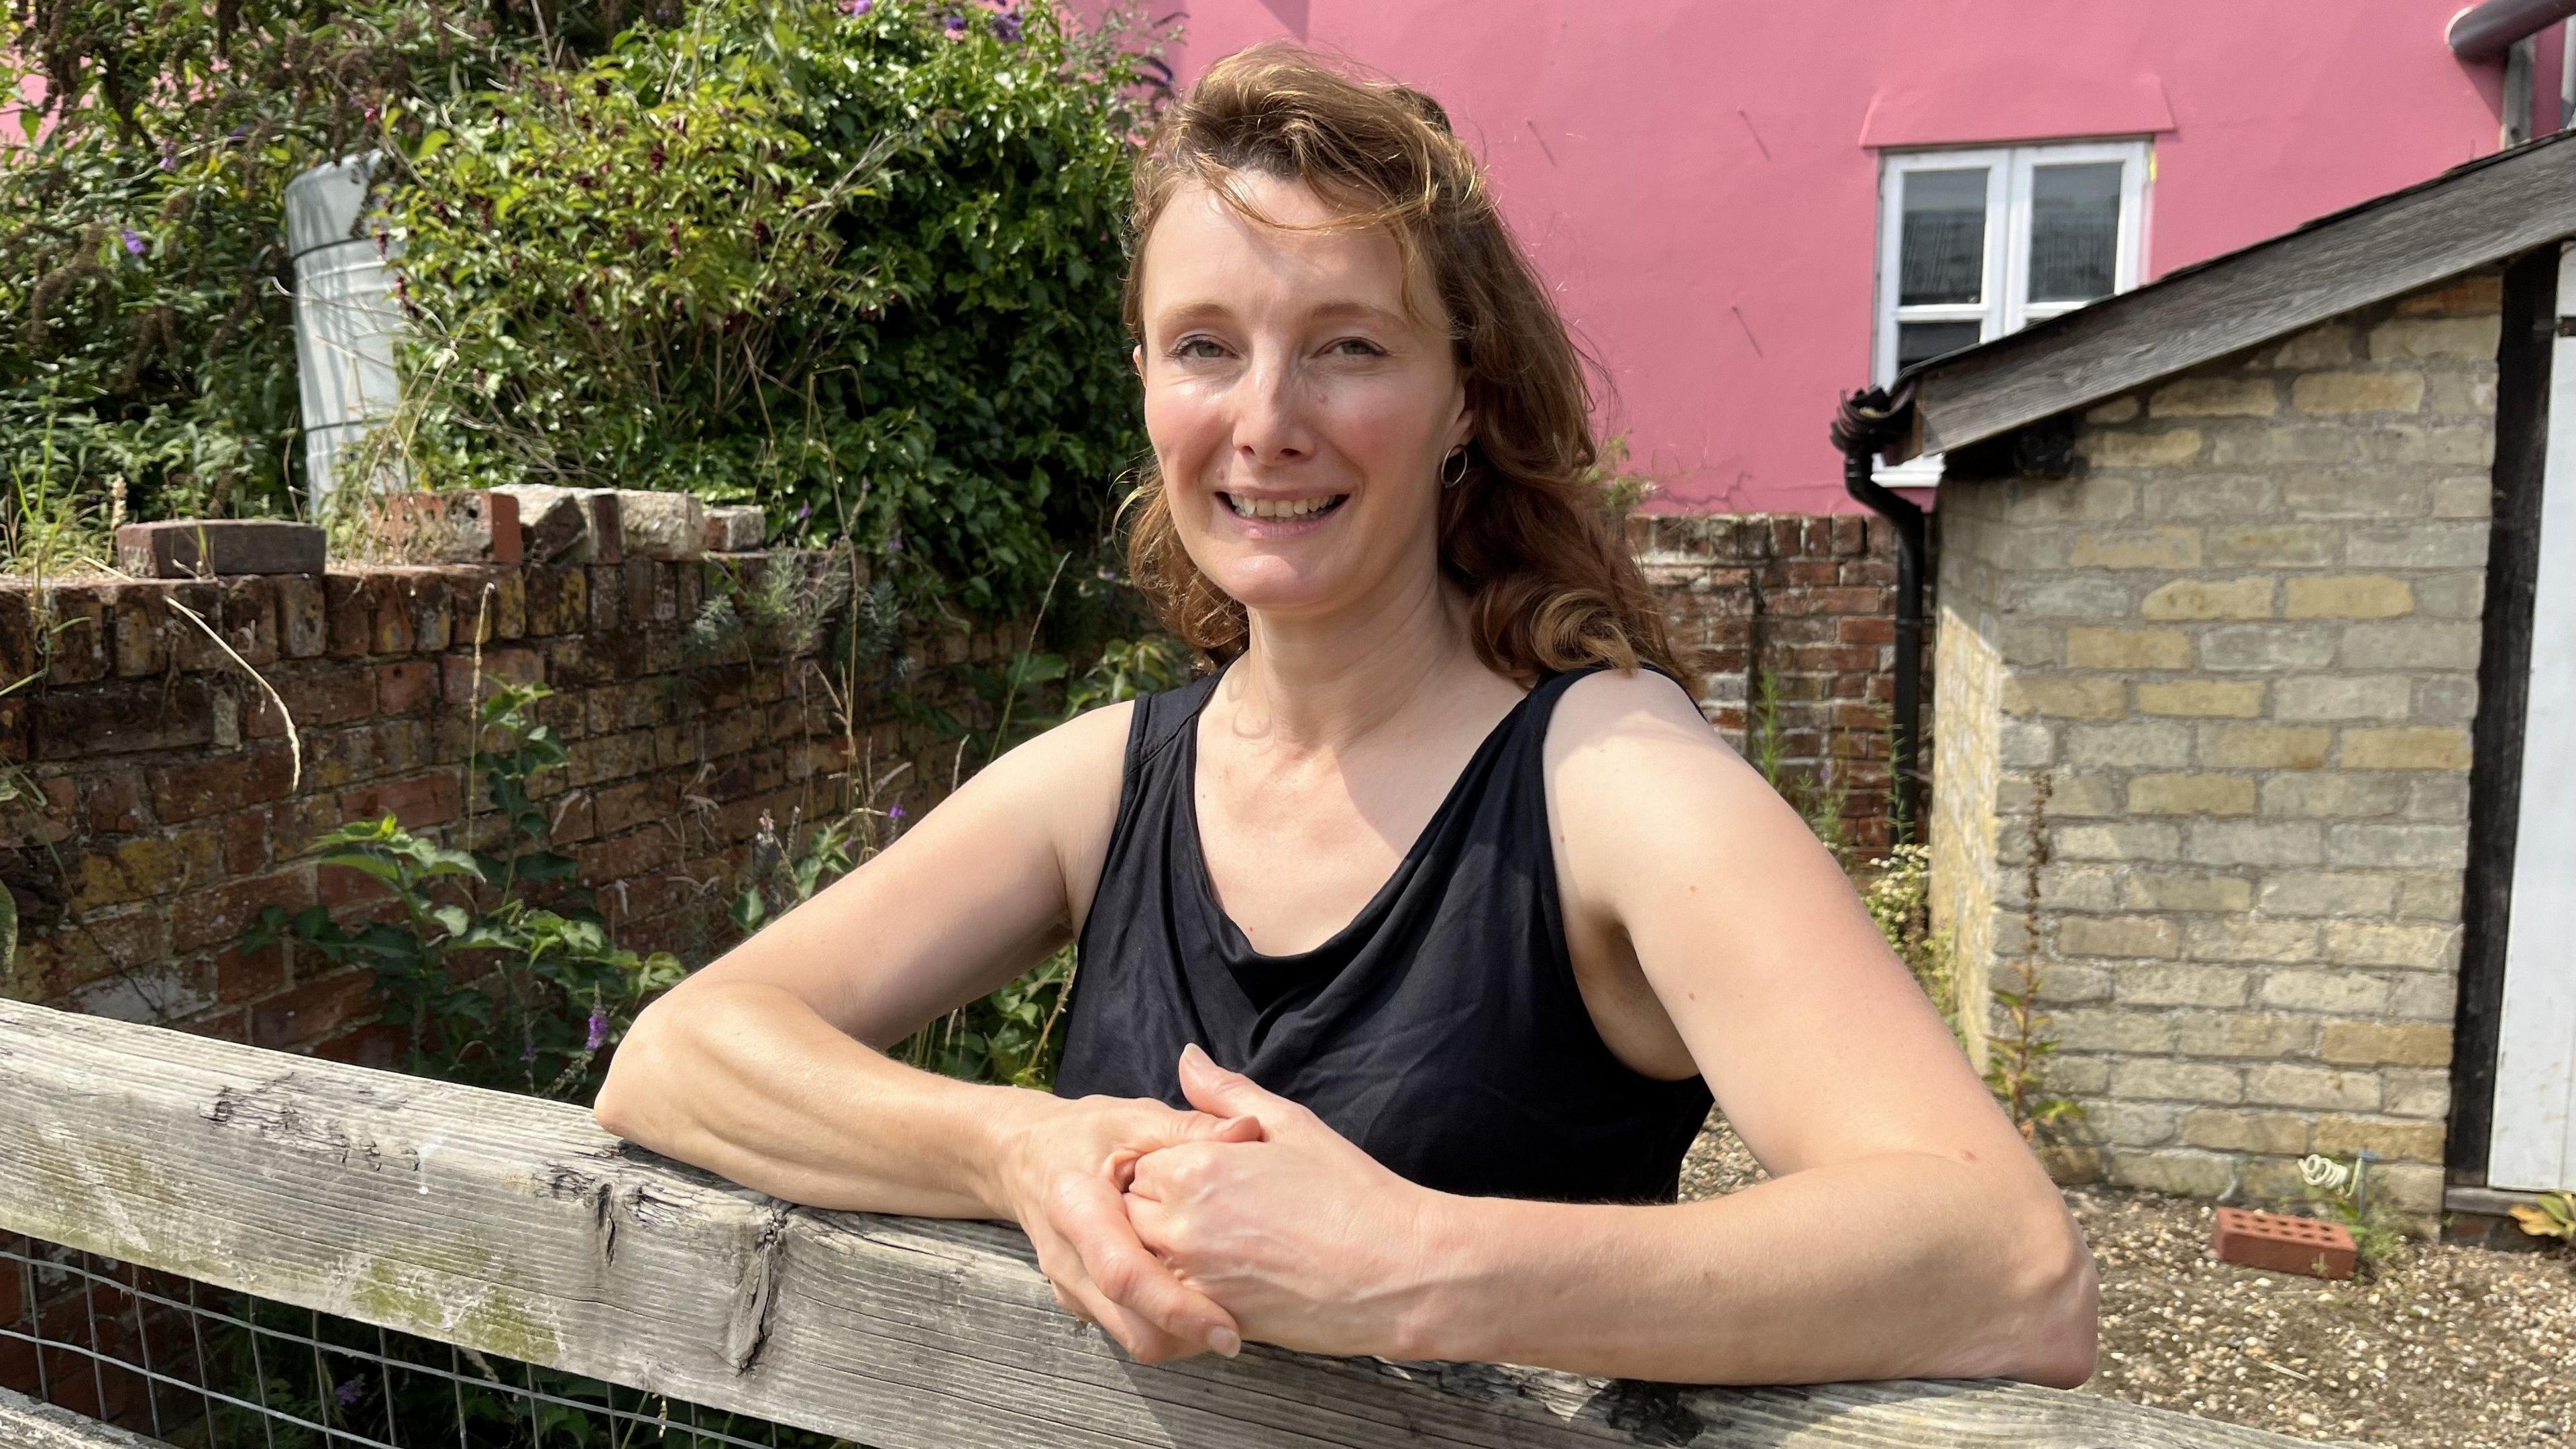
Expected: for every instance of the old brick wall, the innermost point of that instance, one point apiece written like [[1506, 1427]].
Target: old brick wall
[[2239, 649], [157, 805], [1809, 599]]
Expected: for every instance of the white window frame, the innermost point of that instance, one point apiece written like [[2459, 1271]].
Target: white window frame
[[2005, 306]]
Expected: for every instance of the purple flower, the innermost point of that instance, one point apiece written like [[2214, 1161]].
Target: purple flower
[[598, 1036], [956, 24], [169, 157], [894, 813], [530, 1054], [348, 1393], [133, 242], [858, 8], [804, 513], [1006, 27]]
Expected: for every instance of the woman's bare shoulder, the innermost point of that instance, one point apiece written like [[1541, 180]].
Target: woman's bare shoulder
[[1609, 724], [1638, 780], [1067, 781], [1068, 766]]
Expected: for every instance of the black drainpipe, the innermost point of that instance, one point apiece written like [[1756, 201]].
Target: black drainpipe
[[1867, 423]]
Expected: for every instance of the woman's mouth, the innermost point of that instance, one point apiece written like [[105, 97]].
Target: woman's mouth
[[1283, 510]]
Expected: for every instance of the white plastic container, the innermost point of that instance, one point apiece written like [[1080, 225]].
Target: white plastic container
[[346, 319]]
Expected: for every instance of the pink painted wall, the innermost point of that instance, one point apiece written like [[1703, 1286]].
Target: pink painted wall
[[1691, 174]]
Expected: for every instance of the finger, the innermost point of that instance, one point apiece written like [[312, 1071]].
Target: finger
[[1229, 1129], [1078, 1295], [1153, 1225], [1166, 1175], [1133, 1279], [1067, 1301], [1143, 1341], [1220, 1093], [1170, 1128]]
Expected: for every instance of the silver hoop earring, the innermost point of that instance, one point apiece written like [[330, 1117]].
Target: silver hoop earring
[[1459, 454]]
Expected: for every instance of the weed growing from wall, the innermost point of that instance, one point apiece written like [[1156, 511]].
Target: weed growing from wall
[[2017, 1053], [490, 987]]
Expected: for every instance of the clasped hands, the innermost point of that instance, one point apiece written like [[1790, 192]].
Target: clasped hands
[[1188, 1232]]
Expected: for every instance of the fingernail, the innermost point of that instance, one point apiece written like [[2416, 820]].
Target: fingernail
[[1192, 1050], [1225, 1341]]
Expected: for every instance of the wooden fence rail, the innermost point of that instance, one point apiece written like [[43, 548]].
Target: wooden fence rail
[[516, 1226]]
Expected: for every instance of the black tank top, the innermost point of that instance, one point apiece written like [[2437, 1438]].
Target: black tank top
[[1441, 1030]]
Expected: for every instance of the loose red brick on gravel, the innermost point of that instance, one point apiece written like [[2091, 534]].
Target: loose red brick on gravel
[[2282, 1243]]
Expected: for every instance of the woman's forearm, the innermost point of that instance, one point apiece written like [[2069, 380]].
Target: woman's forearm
[[1899, 1266], [749, 1082]]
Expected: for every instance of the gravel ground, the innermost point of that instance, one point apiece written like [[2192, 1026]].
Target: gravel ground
[[2445, 1348]]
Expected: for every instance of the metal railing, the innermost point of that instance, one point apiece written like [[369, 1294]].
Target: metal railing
[[213, 1369]]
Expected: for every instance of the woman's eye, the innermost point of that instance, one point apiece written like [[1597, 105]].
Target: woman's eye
[[1197, 347], [1356, 347]]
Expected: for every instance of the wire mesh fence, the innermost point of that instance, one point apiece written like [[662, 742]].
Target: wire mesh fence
[[204, 1367]]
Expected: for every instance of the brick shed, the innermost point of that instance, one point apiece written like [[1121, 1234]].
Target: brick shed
[[2245, 740]]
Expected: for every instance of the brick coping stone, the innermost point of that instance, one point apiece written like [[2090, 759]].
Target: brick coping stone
[[187, 548]]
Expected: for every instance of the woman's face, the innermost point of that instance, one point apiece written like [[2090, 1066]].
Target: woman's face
[[1299, 413]]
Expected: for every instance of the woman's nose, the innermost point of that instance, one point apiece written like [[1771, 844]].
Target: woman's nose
[[1271, 425]]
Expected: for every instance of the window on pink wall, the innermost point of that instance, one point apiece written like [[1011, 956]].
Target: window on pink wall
[[1975, 243]]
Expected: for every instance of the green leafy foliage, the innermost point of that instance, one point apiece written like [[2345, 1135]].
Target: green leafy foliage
[[2017, 1055], [861, 269], [2553, 1215], [490, 987], [2378, 1229], [146, 331]]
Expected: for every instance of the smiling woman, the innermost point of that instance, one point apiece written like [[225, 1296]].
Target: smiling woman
[[1417, 938]]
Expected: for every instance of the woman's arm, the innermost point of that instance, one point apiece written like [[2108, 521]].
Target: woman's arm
[[768, 1068], [1907, 1233]]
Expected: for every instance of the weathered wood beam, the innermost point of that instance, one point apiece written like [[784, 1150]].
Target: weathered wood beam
[[2385, 248], [27, 1424], [516, 1226]]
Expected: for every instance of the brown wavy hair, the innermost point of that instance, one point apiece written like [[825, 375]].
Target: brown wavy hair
[[1528, 534]]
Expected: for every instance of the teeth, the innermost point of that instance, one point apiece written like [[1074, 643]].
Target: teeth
[[1279, 507]]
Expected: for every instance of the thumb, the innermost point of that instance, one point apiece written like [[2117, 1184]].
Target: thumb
[[1220, 1093]]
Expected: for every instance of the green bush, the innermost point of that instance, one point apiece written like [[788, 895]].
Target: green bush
[[861, 269], [145, 328]]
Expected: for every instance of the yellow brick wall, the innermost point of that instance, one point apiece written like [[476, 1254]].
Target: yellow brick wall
[[2238, 651]]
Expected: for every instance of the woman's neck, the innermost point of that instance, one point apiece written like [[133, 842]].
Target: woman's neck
[[1319, 683]]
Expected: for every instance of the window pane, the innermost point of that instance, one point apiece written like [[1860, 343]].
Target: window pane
[[1941, 252], [2074, 231], [1916, 341]]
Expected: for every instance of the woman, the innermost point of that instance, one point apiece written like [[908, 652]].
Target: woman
[[1416, 940]]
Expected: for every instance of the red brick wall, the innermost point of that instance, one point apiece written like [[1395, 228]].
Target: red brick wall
[[159, 806], [1812, 600]]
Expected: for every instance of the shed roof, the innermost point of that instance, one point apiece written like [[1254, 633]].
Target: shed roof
[[2390, 245]]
